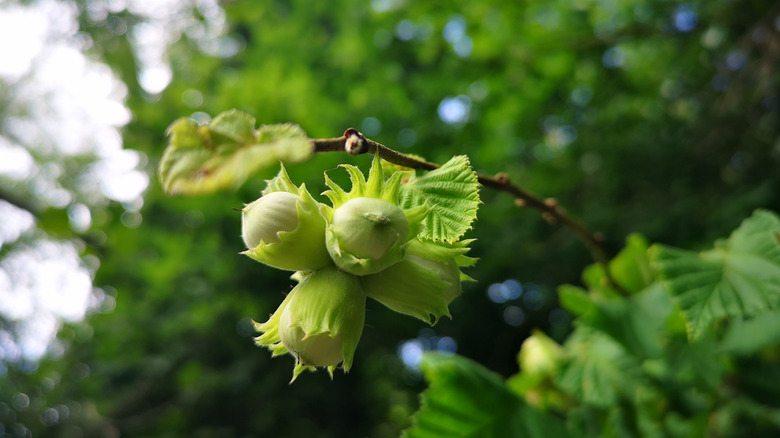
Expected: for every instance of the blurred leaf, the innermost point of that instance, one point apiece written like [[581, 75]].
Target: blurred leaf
[[748, 336], [226, 152], [574, 299], [466, 400], [452, 192], [637, 323], [739, 278], [597, 370], [630, 268]]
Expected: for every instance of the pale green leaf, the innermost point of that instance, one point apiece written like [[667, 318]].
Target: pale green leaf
[[226, 152], [452, 194], [464, 399], [739, 278]]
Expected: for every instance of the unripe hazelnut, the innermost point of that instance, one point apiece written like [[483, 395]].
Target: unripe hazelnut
[[319, 350], [323, 320], [286, 230], [366, 235], [263, 219]]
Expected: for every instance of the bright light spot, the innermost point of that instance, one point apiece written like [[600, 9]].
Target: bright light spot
[[20, 401], [533, 299], [455, 110], [713, 37], [405, 30], [15, 222], [16, 163], [371, 126], [560, 136], [455, 33], [685, 18], [27, 30], [131, 219], [192, 98], [80, 217], [613, 57], [125, 187], [463, 46], [411, 353], [50, 417], [383, 5], [736, 60], [446, 344], [455, 29], [506, 291], [40, 285], [155, 78], [478, 90], [514, 316], [581, 95]]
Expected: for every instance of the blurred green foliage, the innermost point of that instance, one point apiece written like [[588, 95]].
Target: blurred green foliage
[[657, 117]]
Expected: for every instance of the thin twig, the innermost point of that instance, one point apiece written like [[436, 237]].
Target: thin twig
[[354, 143]]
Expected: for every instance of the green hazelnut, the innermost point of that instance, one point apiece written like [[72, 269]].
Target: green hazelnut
[[367, 235], [286, 230]]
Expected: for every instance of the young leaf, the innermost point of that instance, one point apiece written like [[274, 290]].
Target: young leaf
[[452, 193], [739, 278], [466, 400], [227, 151]]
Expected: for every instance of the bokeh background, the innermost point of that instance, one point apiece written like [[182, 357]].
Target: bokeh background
[[126, 312]]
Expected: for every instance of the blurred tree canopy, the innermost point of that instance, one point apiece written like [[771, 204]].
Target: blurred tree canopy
[[657, 117]]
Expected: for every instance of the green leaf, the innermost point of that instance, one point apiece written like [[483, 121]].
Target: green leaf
[[466, 400], [637, 323], [226, 152], [748, 337], [574, 299], [452, 193], [597, 371], [739, 278], [630, 269]]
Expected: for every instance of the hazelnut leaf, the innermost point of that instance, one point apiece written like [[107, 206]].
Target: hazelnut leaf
[[738, 279], [452, 193], [226, 152]]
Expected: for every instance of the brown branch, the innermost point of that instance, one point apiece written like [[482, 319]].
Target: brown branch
[[354, 143]]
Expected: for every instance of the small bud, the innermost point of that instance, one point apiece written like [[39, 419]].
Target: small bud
[[539, 354]]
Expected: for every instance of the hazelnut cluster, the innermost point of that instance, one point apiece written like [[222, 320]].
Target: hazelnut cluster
[[363, 245]]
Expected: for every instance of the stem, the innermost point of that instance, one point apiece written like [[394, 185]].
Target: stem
[[354, 143]]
